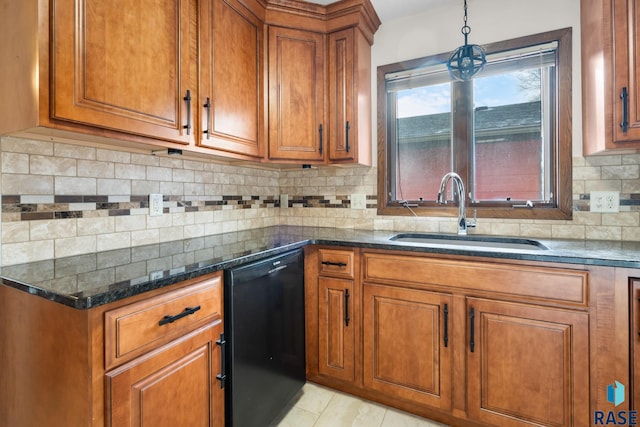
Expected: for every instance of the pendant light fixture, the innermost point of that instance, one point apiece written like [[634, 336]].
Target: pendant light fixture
[[467, 60]]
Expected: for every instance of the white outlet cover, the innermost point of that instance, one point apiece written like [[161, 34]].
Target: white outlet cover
[[155, 204], [284, 201], [358, 201], [604, 201]]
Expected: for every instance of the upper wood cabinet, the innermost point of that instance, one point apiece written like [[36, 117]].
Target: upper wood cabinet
[[296, 95], [320, 81], [349, 97], [192, 74], [610, 73], [232, 71], [126, 66]]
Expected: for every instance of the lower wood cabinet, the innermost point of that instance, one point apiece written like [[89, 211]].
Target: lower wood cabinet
[[336, 339], [174, 385], [527, 365], [163, 369], [407, 353], [468, 342]]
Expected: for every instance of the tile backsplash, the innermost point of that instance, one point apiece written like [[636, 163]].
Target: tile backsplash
[[60, 199]]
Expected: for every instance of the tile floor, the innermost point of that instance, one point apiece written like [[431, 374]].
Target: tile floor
[[317, 406]]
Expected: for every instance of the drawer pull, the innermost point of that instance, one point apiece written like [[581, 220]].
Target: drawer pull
[[170, 319], [335, 264]]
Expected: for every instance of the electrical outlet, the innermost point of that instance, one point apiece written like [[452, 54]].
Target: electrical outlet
[[284, 201], [604, 201], [358, 201], [155, 204]]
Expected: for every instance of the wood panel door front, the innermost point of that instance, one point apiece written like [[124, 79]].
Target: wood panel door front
[[343, 132], [527, 365], [626, 54], [175, 385], [336, 324], [126, 65], [407, 353], [296, 95], [232, 91]]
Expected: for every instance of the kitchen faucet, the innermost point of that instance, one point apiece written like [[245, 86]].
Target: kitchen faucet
[[458, 185]]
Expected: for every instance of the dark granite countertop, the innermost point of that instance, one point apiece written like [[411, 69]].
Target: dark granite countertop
[[90, 280]]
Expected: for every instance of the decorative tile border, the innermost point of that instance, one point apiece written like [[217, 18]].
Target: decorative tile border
[[27, 208]]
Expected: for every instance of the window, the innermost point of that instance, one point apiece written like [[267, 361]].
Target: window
[[507, 132]]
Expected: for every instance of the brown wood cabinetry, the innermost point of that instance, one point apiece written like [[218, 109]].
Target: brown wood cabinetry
[[232, 72], [174, 385], [634, 338], [349, 97], [527, 364], [120, 364], [192, 74], [296, 95], [127, 66], [610, 75], [332, 314], [406, 344], [467, 341]]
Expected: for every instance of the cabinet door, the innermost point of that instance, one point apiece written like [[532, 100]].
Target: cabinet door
[[527, 365], [407, 352], [625, 51], [341, 95], [232, 111], [336, 326], [635, 343], [175, 385], [126, 65], [296, 95]]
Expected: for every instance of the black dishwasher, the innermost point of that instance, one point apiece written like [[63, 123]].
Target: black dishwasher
[[264, 323]]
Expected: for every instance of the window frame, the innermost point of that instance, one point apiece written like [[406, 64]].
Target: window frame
[[562, 208]]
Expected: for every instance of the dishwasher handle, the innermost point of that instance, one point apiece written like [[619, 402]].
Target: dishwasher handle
[[275, 270]]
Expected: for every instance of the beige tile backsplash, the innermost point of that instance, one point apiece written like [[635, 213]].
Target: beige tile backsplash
[[61, 200]]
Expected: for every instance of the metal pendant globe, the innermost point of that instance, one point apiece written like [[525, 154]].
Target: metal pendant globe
[[467, 60]]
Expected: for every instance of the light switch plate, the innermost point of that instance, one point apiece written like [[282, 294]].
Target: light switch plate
[[604, 201], [358, 201], [155, 204]]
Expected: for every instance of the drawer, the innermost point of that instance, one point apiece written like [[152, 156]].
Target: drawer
[[142, 326], [336, 262], [546, 285]]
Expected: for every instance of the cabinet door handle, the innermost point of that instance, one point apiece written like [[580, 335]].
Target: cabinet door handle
[[170, 319], [346, 307], [321, 132], [335, 264], [187, 99], [624, 96], [222, 376], [347, 129], [207, 106], [446, 325], [472, 339]]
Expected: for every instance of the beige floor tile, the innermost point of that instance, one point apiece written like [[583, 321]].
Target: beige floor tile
[[295, 417], [344, 410], [313, 398], [395, 418]]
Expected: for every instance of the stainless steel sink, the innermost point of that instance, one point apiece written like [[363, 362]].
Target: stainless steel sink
[[487, 242]]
